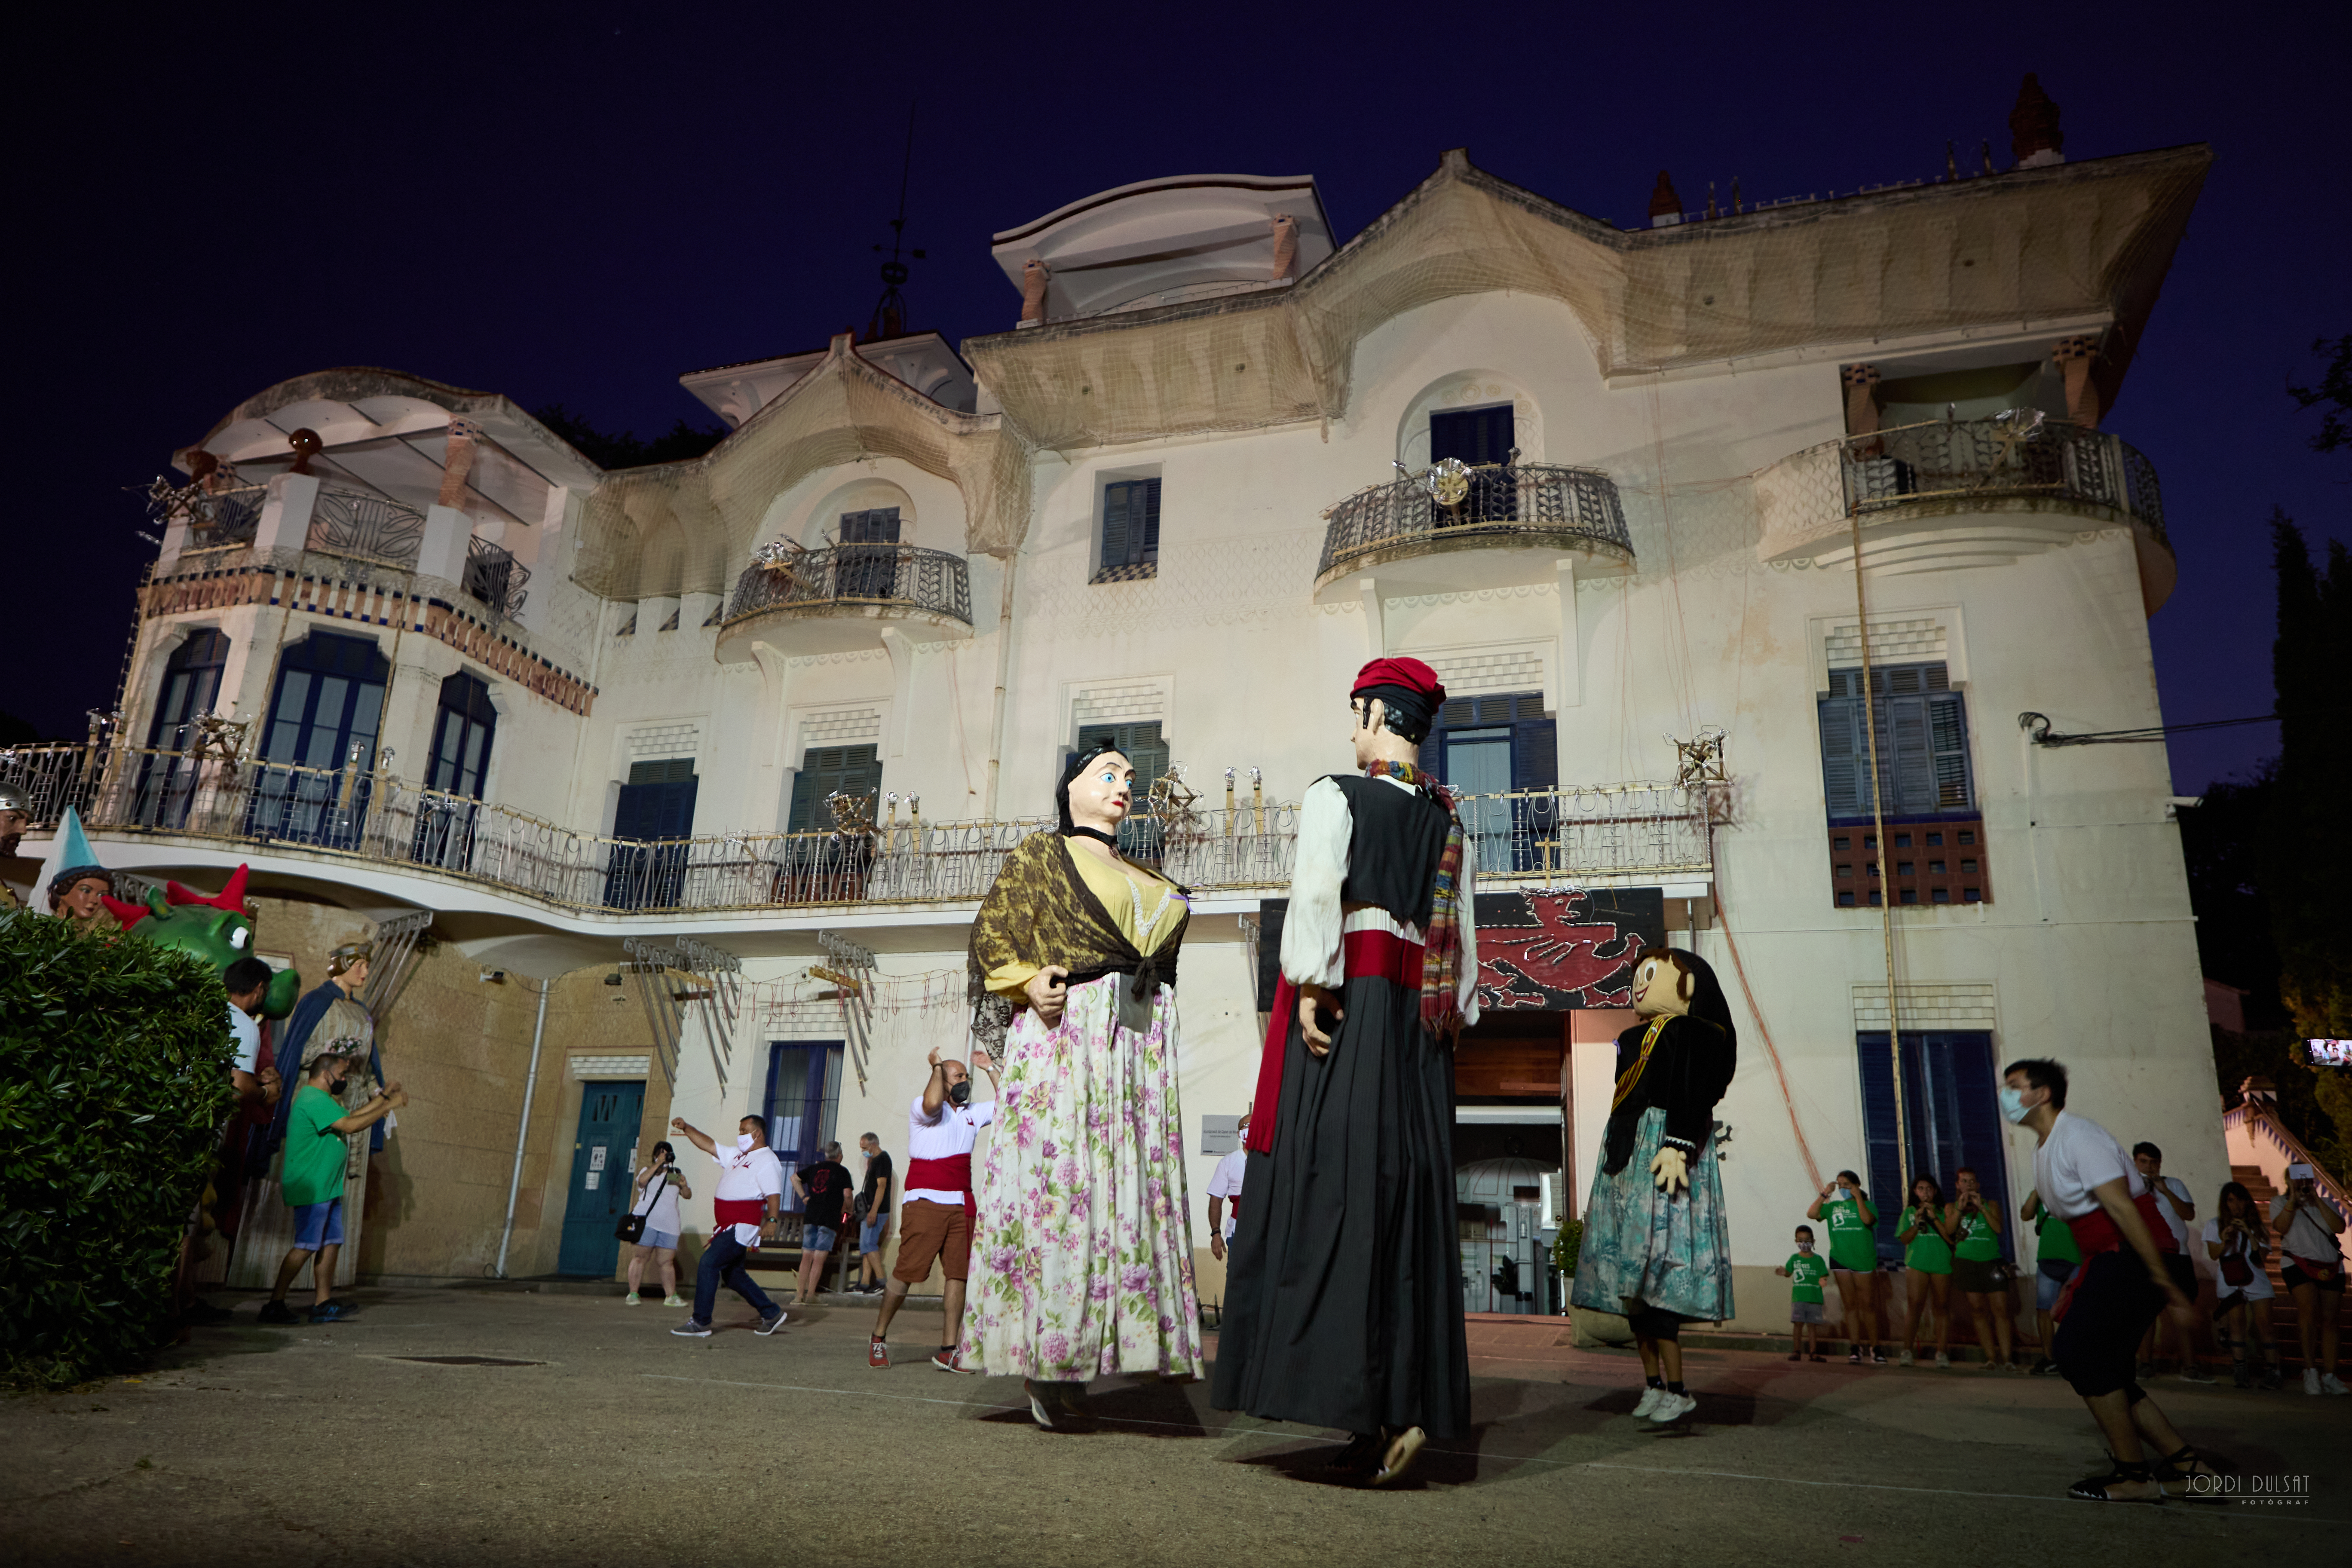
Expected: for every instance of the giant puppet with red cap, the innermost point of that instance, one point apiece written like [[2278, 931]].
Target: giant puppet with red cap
[[1343, 1301]]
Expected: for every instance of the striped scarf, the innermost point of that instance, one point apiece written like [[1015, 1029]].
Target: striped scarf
[[1440, 967]]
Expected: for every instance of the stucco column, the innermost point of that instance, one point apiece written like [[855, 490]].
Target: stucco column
[[1861, 399], [2073, 356], [1376, 636], [1572, 669], [286, 508], [442, 556], [901, 649]]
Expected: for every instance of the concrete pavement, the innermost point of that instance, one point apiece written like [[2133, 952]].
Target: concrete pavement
[[617, 1443]]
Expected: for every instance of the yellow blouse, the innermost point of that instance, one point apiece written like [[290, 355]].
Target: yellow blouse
[[1121, 887]]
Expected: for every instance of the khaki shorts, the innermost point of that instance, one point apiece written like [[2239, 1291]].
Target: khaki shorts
[[929, 1231]]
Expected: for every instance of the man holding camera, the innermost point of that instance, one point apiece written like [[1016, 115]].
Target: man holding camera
[[2176, 1209], [2307, 1228], [935, 1223]]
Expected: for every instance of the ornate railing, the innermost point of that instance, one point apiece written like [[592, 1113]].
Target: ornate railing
[[2009, 457], [1549, 837], [495, 577], [215, 520], [1529, 502], [893, 574], [366, 528]]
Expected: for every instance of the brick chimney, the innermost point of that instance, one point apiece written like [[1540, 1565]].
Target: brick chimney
[[2035, 138], [1666, 207]]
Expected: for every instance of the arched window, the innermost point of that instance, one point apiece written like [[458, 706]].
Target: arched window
[[192, 679], [463, 728], [324, 718]]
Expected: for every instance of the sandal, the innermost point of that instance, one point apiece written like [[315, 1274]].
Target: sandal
[[1401, 1450], [2191, 1476], [2094, 1489], [1360, 1458]]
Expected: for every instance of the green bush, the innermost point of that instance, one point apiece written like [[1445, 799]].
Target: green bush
[[1567, 1244], [114, 1079]]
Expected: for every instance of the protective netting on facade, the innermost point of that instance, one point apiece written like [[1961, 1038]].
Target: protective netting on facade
[[676, 529], [2071, 240]]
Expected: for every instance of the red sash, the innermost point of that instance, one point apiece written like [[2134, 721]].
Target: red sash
[[741, 1211], [952, 1175], [2095, 1233], [1370, 954]]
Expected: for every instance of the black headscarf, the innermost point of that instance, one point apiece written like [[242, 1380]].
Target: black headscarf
[[1707, 1000], [1078, 764], [1408, 712]]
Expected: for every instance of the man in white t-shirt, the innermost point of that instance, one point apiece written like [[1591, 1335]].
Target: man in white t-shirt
[[935, 1222], [2177, 1210], [1226, 1193], [2084, 1179], [751, 1191]]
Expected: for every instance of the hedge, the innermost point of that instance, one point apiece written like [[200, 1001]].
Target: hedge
[[114, 1080]]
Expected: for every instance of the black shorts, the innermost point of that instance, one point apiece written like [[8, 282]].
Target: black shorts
[[2183, 1272], [2114, 1301], [2293, 1274]]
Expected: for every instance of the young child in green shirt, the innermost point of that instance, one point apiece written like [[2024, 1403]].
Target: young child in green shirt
[[1805, 1271]]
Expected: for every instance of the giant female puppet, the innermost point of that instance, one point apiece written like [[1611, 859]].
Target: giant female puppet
[[1084, 1252], [1656, 1247]]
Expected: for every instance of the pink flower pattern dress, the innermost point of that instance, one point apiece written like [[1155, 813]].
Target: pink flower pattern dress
[[1083, 1261]]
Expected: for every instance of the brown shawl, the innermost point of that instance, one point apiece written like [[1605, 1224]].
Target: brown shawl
[[1042, 911]]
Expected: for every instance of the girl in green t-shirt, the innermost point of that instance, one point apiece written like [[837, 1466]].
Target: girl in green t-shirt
[[1926, 1269], [1854, 1260], [1974, 1225], [1805, 1271]]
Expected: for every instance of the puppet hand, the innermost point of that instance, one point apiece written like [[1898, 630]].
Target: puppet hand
[[1317, 1042], [1671, 1171], [1047, 993]]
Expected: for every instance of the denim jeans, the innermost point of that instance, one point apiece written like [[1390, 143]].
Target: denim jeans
[[722, 1259]]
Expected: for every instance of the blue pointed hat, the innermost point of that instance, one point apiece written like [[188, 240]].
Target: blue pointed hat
[[75, 857]]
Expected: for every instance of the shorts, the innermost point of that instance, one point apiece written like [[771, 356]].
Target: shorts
[[869, 1234], [2050, 1277], [2113, 1303], [929, 1231], [318, 1224], [1853, 1265], [2183, 1272], [1804, 1312], [652, 1237], [1977, 1276], [818, 1238], [2293, 1272]]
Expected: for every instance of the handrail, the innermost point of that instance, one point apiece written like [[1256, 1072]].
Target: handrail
[[2337, 1197], [1543, 838], [903, 576], [1504, 501]]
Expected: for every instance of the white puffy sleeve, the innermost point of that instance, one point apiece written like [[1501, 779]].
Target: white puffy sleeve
[[1310, 928], [1465, 984]]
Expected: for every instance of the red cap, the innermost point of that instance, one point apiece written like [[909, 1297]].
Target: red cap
[[1409, 673]]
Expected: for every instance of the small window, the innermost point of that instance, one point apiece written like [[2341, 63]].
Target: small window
[[876, 525], [1131, 531], [1869, 869], [1875, 900], [1967, 867], [1903, 841], [1910, 894], [1845, 901], [1971, 896], [1871, 842], [1935, 841], [1967, 836], [1906, 869], [1846, 872], [1935, 868], [1943, 895], [1842, 842]]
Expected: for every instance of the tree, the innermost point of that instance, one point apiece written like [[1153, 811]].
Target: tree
[[625, 450], [2335, 389]]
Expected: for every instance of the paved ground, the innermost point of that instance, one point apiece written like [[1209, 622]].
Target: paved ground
[[623, 1445]]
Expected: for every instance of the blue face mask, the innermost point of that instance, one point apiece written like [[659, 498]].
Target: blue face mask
[[2012, 1104]]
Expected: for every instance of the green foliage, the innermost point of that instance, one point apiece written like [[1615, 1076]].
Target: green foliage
[[625, 450], [1568, 1244], [114, 1079], [2332, 396], [2306, 860]]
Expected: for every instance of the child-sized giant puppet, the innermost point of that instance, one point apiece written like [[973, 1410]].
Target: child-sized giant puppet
[[1656, 1247]]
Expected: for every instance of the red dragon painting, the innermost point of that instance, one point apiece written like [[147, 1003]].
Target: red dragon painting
[[1554, 951]]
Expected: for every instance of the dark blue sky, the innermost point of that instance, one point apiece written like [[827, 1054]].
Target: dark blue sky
[[578, 205]]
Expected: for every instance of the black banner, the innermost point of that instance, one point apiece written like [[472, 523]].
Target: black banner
[[1561, 951]]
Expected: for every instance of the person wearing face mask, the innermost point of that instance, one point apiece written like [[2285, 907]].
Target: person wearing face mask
[[935, 1221], [1084, 1227], [1846, 1208], [750, 1194], [317, 1152], [2084, 1178], [1804, 1271]]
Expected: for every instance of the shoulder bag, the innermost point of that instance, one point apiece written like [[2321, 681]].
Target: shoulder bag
[[631, 1228]]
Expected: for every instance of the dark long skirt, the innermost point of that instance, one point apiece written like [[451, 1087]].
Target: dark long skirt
[[1343, 1289]]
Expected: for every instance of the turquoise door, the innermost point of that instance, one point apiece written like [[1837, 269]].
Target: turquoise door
[[604, 1157]]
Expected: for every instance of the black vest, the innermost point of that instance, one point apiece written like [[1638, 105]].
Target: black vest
[[1393, 849]]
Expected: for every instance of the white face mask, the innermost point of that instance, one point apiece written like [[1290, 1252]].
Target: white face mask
[[2012, 1104], [742, 1142]]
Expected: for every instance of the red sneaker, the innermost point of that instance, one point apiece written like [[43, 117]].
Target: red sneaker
[[948, 1360], [877, 1352]]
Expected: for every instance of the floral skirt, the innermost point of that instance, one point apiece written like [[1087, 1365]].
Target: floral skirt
[[1082, 1261], [1674, 1254]]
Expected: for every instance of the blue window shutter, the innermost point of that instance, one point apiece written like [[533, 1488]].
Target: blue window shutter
[[1535, 753], [1882, 1168], [1845, 756], [1146, 502], [830, 770], [1972, 1112], [1475, 435], [1948, 732], [1906, 764], [1115, 525]]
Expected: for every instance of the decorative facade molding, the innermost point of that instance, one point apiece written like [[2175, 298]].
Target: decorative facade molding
[[1959, 1004]]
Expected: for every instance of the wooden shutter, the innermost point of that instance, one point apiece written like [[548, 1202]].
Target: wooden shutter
[[1906, 765], [1475, 435], [876, 525], [1845, 748], [828, 770], [1882, 1171], [1535, 745], [1115, 525], [1143, 511], [1130, 523], [1948, 744]]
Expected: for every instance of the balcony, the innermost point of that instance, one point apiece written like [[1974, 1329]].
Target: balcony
[[1963, 492], [841, 597], [337, 824], [1512, 526]]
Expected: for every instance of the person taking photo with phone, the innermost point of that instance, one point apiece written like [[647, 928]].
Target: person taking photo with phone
[[2312, 1270], [1853, 1261], [1975, 1227], [654, 1199]]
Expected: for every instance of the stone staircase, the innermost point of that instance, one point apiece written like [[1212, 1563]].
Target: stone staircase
[[2284, 1332]]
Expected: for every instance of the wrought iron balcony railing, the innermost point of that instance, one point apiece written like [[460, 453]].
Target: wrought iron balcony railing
[[1604, 833], [221, 520], [366, 528], [495, 577], [2010, 457], [1526, 503], [896, 575]]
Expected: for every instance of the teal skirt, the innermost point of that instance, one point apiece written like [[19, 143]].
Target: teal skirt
[[1642, 1247]]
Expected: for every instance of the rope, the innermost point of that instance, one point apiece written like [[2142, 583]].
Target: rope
[[1885, 882], [1779, 1073]]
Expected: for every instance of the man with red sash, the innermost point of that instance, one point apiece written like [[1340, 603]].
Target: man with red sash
[[2084, 1178], [749, 1192], [1343, 1287], [935, 1223]]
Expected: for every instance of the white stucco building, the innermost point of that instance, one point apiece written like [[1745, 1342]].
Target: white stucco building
[[1168, 503]]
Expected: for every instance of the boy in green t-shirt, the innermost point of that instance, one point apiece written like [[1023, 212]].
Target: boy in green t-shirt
[[2055, 1259], [311, 1179], [1805, 1271]]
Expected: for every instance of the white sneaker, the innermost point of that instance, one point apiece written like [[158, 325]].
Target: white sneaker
[[1672, 1406], [1650, 1397], [632, 1299], [1944, 1360], [2331, 1384], [2311, 1380], [677, 1301], [1907, 1358]]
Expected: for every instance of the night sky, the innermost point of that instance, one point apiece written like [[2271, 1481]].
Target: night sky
[[578, 205]]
